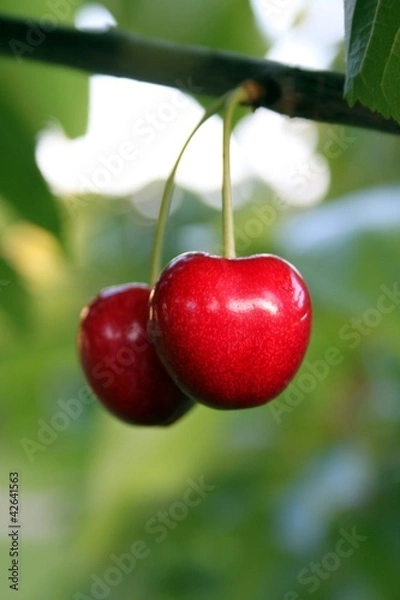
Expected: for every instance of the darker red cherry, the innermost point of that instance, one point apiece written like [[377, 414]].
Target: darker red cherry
[[121, 363], [232, 332]]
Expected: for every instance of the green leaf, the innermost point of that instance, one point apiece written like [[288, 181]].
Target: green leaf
[[372, 29], [14, 299], [33, 94], [43, 92], [21, 183], [230, 25]]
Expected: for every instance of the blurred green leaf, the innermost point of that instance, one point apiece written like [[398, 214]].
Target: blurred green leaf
[[347, 248], [14, 298], [21, 182], [41, 92], [229, 25], [32, 95], [373, 48]]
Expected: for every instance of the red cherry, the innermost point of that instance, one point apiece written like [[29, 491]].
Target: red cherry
[[121, 363], [232, 332]]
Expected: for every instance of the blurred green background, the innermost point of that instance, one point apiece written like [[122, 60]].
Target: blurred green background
[[297, 499]]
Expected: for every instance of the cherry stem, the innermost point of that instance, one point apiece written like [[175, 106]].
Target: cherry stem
[[155, 268], [235, 98]]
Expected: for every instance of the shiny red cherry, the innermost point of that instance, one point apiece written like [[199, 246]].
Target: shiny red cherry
[[231, 332], [120, 362]]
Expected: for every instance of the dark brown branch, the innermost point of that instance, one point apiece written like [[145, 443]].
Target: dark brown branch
[[315, 95]]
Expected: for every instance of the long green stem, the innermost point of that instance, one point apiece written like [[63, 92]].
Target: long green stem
[[169, 190], [238, 95]]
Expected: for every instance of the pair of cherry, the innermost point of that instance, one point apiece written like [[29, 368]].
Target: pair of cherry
[[224, 331]]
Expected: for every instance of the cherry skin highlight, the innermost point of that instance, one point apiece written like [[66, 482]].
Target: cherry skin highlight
[[231, 332], [120, 362]]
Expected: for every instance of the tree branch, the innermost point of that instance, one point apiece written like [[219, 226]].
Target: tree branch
[[291, 91]]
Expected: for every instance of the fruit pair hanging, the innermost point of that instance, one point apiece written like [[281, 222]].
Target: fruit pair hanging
[[227, 332]]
